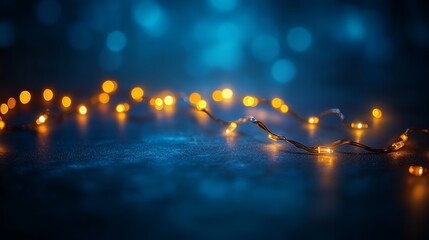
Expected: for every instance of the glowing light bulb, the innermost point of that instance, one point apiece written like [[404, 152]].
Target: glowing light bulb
[[324, 150], [82, 110], [313, 120], [194, 98], [169, 100], [120, 108], [66, 101], [284, 108], [276, 102], [48, 94], [152, 101], [359, 125], [126, 107], [404, 137], [202, 104], [103, 98], [4, 108], [2, 125], [25, 97], [41, 119], [417, 170], [227, 93], [109, 86], [232, 126], [248, 101], [217, 96], [159, 102], [137, 94], [377, 113], [272, 137], [398, 145], [11, 103]]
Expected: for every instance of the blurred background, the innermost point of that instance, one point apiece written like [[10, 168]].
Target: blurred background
[[267, 47]]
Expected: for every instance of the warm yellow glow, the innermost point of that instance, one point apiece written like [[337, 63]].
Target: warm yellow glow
[[227, 93], [313, 120], [202, 104], [48, 94], [137, 94], [324, 150], [169, 100], [377, 113], [66, 101], [120, 108], [272, 137], [4, 108], [284, 108], [232, 126], [248, 101], [359, 125], [11, 103], [217, 96], [158, 102], [194, 98], [276, 102], [417, 170], [398, 145], [109, 86], [82, 110], [2, 125], [126, 107], [103, 98], [404, 137], [152, 101], [41, 119], [25, 97]]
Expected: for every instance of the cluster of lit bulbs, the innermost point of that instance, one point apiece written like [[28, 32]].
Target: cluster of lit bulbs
[[197, 102]]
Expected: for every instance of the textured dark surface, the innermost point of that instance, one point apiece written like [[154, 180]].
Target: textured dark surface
[[150, 175]]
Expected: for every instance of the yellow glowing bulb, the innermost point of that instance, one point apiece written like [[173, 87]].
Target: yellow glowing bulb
[[82, 110], [417, 170], [137, 94], [227, 93], [4, 108], [103, 98], [11, 103], [41, 119], [152, 101], [25, 97], [324, 150], [120, 108], [398, 145], [232, 126], [66, 101], [313, 120], [377, 113], [2, 125], [158, 102], [284, 108], [169, 100], [272, 137], [109, 86], [48, 94], [217, 95], [202, 104], [404, 137], [126, 107], [276, 102], [194, 98], [359, 125], [248, 101]]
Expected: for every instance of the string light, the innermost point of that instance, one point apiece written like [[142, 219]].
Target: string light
[[104, 98], [202, 104], [250, 101], [82, 110], [4, 108], [359, 125], [417, 170], [2, 124], [276, 102], [227, 94], [217, 96], [377, 113], [11, 103], [66, 101], [232, 126], [169, 100], [137, 94], [109, 86], [25, 97], [284, 108], [313, 120], [194, 98], [48, 94]]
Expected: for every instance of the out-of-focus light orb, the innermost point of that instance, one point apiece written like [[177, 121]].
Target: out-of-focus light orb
[[217, 95], [194, 98], [284, 108], [313, 120], [276, 102], [103, 98], [66, 101], [41, 119], [109, 86], [11, 103], [223, 55], [169, 100], [224, 5], [137, 94], [48, 12], [202, 104], [2, 124], [110, 61], [120, 108], [227, 93], [417, 170], [249, 101], [354, 28], [7, 34], [150, 16], [159, 102], [48, 94], [265, 48], [377, 113], [79, 36], [116, 41], [359, 125], [4, 108], [82, 110], [283, 71], [25, 97], [299, 39]]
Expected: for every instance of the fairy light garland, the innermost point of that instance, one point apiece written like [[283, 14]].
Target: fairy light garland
[[197, 103]]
